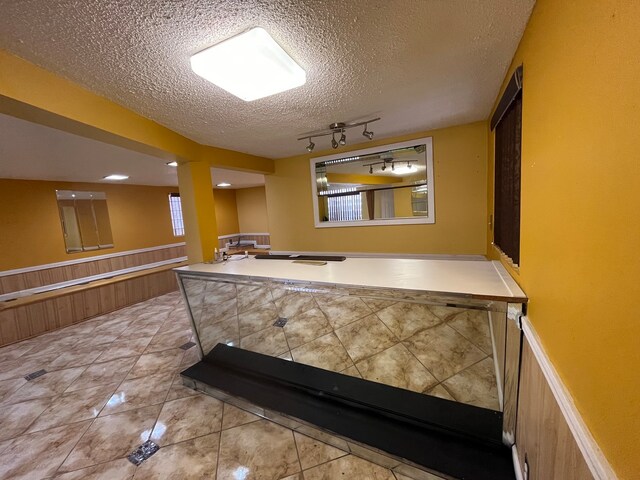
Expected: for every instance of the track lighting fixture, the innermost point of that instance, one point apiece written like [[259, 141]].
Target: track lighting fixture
[[367, 133], [310, 146], [334, 144], [338, 127], [401, 170]]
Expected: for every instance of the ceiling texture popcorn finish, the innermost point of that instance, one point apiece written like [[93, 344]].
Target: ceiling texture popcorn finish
[[419, 64]]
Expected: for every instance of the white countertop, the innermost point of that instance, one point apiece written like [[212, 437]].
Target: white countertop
[[485, 279]]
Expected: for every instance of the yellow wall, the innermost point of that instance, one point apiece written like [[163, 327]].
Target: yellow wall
[[226, 211], [32, 235], [252, 210], [460, 166], [580, 229]]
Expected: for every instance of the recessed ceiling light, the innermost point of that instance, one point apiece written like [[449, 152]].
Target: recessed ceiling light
[[172, 164], [116, 176], [223, 184], [250, 65]]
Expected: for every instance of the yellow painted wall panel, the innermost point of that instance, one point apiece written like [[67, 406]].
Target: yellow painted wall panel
[[252, 210], [226, 211], [580, 201], [31, 233], [460, 167]]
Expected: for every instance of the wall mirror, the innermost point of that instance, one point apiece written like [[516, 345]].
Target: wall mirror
[[385, 185], [85, 220]]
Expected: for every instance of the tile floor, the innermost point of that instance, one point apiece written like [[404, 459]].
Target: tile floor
[[112, 383], [439, 351]]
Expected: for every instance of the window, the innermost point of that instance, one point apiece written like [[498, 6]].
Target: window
[[348, 207], [175, 207], [507, 122]]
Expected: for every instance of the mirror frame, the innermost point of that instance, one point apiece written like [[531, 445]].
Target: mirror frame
[[427, 219]]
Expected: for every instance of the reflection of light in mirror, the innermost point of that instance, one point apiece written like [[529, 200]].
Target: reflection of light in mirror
[[158, 431], [144, 436], [405, 169], [117, 399], [305, 289], [241, 473], [338, 190], [342, 160]]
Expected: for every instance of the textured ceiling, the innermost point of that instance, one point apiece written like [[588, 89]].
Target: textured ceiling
[[419, 64], [34, 152]]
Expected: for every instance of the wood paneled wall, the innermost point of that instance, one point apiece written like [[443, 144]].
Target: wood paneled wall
[[25, 318], [543, 436], [259, 239], [38, 278]]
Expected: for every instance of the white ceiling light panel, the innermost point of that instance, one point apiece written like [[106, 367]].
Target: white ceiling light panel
[[250, 66]]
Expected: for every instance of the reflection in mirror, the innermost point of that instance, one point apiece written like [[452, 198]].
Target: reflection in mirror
[[391, 184], [85, 220]]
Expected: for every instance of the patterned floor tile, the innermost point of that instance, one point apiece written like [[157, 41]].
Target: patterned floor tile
[[313, 452], [261, 449], [348, 467], [187, 418], [112, 437], [194, 459], [443, 351], [325, 352], [39, 454], [476, 385], [396, 366], [365, 337]]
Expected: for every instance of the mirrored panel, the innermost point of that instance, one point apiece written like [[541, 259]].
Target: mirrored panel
[[391, 184], [417, 341], [85, 220]]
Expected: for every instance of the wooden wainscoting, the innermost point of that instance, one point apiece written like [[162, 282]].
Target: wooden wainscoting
[[36, 314], [85, 267], [259, 238], [543, 436]]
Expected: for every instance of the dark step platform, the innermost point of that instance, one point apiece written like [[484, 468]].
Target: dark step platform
[[458, 440]]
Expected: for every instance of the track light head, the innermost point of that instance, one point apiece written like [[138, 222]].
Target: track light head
[[384, 167], [367, 133], [339, 129], [370, 168], [310, 146]]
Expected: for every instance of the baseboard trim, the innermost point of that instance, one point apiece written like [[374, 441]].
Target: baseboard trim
[[517, 468], [45, 266], [593, 456]]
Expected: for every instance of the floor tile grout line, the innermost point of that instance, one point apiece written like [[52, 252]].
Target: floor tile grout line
[[346, 453], [467, 367], [89, 424], [468, 339], [295, 443]]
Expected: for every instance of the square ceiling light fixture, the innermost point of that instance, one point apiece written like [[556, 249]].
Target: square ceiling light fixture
[[250, 65]]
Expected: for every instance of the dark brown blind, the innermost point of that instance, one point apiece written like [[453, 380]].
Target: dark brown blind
[[506, 230]]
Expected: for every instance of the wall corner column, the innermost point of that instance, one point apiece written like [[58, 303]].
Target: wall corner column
[[198, 210]]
